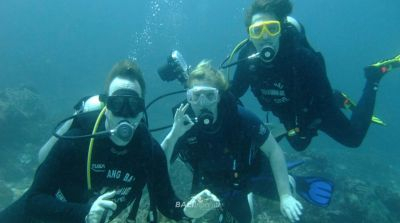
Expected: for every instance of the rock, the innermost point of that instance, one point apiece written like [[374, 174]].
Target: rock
[[391, 200], [6, 195], [21, 109]]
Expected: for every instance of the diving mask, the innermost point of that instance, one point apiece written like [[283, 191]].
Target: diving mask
[[259, 29], [125, 104], [202, 95]]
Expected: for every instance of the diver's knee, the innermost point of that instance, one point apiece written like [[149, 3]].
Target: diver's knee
[[352, 142], [299, 143], [299, 146]]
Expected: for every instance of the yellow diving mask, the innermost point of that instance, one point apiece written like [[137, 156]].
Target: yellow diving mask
[[258, 29]]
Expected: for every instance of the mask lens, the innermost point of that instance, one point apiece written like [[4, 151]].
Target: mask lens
[[205, 95], [256, 31], [125, 105], [211, 96], [274, 28], [194, 96], [136, 105], [115, 103]]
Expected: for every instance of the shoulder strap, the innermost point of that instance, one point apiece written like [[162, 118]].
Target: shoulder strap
[[152, 217], [147, 142]]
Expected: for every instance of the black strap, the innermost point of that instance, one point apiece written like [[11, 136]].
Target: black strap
[[152, 217], [135, 207]]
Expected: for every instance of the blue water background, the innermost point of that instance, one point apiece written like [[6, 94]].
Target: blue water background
[[64, 50]]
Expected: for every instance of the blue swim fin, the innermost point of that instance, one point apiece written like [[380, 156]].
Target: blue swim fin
[[316, 190]]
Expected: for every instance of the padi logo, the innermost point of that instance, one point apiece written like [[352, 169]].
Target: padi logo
[[98, 167]]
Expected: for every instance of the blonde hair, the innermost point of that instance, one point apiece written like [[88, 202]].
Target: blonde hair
[[205, 72]]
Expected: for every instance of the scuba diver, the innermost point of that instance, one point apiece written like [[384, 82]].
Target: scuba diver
[[232, 153], [101, 163], [289, 78]]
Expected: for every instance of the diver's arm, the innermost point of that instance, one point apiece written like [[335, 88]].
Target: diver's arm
[[41, 202], [44, 151], [240, 82], [168, 145], [277, 160], [290, 207], [182, 123], [241, 77], [90, 104]]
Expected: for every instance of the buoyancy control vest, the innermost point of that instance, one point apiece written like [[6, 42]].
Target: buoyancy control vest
[[224, 159], [280, 87]]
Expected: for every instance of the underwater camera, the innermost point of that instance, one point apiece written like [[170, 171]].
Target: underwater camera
[[176, 68]]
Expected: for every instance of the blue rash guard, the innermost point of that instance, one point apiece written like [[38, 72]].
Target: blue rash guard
[[226, 159]]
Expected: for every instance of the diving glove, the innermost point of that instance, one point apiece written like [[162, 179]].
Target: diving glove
[[101, 209]]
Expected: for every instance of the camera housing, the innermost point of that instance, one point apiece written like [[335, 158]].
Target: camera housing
[[176, 68]]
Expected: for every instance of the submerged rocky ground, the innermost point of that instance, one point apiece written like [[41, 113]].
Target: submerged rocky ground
[[24, 127], [22, 123]]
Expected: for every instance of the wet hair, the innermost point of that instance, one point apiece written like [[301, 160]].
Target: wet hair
[[205, 72], [126, 69], [280, 8]]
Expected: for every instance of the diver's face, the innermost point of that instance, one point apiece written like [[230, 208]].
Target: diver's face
[[266, 39], [131, 91], [203, 95]]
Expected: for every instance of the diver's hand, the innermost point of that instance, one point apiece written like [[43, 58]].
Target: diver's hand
[[101, 204], [200, 204], [374, 73], [182, 122], [291, 208], [276, 129]]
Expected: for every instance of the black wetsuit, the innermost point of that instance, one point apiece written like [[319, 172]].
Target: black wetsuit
[[295, 87], [59, 192], [227, 160]]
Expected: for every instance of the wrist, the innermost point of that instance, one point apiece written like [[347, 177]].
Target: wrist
[[175, 133], [284, 196]]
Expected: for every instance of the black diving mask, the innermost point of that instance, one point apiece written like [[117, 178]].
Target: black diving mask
[[124, 103]]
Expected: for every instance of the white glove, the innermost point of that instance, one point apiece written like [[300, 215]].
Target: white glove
[[182, 122], [276, 130], [200, 204], [291, 208], [100, 205]]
